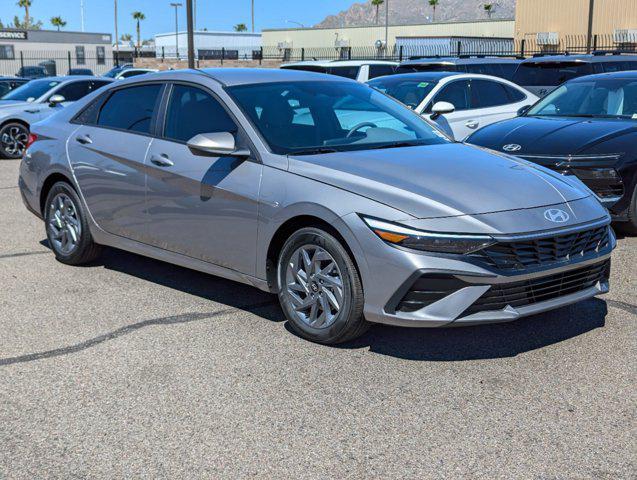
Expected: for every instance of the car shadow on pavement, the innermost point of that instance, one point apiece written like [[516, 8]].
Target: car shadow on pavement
[[440, 344]]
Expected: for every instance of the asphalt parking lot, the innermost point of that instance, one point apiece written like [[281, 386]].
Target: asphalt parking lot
[[135, 368]]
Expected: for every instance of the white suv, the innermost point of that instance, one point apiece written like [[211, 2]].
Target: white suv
[[360, 70]]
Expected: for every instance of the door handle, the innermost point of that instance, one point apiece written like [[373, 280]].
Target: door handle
[[161, 160], [84, 139], [472, 124]]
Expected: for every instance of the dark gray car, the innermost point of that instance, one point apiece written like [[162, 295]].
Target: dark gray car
[[322, 190]]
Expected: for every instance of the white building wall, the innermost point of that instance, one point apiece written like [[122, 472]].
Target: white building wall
[[242, 43]]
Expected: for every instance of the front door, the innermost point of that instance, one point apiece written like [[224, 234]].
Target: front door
[[202, 206]]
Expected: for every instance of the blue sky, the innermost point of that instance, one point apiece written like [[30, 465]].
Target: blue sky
[[213, 14]]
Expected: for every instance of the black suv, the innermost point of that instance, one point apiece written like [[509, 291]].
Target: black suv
[[586, 127], [542, 74], [495, 66]]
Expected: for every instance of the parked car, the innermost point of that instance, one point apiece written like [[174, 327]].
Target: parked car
[[32, 71], [587, 128], [10, 83], [34, 101], [542, 74], [494, 66], [81, 71], [112, 73], [210, 169], [133, 72], [458, 103], [360, 70]]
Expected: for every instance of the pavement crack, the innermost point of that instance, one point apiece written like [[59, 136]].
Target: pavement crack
[[24, 254], [626, 307], [126, 330]]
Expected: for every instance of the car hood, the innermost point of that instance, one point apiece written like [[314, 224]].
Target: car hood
[[554, 136], [440, 180]]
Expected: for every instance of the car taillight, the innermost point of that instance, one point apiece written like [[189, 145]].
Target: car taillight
[[31, 140]]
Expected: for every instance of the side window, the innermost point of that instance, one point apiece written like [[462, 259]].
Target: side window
[[130, 108], [456, 93], [485, 94], [73, 91], [514, 94], [192, 111], [94, 85], [380, 70]]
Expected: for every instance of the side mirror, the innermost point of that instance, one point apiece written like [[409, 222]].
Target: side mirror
[[440, 108], [523, 110], [55, 100], [216, 144]]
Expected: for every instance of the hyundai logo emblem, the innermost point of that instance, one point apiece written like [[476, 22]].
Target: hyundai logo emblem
[[512, 147], [556, 215]]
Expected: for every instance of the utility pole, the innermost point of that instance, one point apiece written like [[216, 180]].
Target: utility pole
[[191, 39], [589, 33], [176, 5], [116, 38], [82, 14]]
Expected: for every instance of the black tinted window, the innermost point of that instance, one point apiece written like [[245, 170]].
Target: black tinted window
[[130, 108], [74, 91], [380, 70], [619, 66], [347, 72], [132, 73], [514, 94], [548, 74], [456, 93], [485, 93], [192, 111]]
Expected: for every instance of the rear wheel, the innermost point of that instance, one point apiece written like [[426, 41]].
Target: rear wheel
[[67, 228], [13, 140], [319, 288]]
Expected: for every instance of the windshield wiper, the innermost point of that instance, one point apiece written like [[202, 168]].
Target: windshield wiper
[[396, 145], [314, 151]]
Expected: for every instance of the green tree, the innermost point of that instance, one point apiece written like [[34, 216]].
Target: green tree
[[58, 22], [377, 4], [25, 4], [126, 37], [433, 4], [139, 16], [489, 9], [240, 27]]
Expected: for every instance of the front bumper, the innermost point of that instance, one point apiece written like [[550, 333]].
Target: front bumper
[[466, 292]]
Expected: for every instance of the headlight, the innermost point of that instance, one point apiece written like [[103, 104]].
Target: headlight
[[400, 235]]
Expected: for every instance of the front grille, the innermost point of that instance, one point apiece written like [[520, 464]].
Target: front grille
[[525, 254], [528, 292]]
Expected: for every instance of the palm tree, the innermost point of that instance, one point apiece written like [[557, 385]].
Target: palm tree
[[489, 8], [377, 4], [240, 27], [126, 37], [434, 4], [58, 22], [25, 4], [139, 16]]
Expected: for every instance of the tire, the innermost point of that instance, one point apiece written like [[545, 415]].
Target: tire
[[309, 290], [13, 139], [67, 228]]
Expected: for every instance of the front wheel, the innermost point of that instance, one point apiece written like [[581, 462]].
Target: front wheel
[[13, 140], [320, 289]]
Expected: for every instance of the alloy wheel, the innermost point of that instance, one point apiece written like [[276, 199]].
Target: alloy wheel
[[65, 228], [314, 284], [14, 140]]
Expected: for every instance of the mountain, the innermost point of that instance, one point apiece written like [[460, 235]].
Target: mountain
[[417, 11]]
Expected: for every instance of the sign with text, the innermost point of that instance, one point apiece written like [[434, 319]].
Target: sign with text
[[13, 34]]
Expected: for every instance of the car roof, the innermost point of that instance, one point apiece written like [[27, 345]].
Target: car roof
[[66, 78], [423, 76], [245, 76], [584, 58], [340, 63], [459, 60], [20, 79]]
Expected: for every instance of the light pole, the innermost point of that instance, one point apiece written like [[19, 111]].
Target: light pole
[[116, 38], [190, 34], [176, 5], [82, 14], [295, 23]]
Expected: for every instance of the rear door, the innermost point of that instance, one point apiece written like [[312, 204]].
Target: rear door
[[490, 102], [107, 153], [203, 206]]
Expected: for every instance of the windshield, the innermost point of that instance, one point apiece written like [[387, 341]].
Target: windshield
[[549, 74], [411, 91], [30, 91], [323, 117], [595, 98]]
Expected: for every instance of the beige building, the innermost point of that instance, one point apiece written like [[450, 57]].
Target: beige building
[[562, 18], [368, 35]]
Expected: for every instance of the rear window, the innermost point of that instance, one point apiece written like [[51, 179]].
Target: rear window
[[130, 108], [550, 74], [347, 72], [380, 70], [427, 67], [619, 66], [306, 68]]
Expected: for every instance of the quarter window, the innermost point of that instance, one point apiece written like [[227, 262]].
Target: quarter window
[[380, 70], [192, 111], [130, 108]]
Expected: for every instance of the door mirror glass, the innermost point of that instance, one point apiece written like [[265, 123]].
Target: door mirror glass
[[440, 108], [219, 143], [523, 110], [56, 99]]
